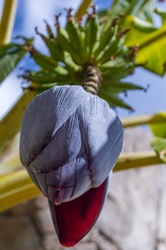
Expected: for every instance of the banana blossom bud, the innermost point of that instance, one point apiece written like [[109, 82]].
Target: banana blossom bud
[[70, 141]]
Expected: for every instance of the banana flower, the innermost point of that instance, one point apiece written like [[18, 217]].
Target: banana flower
[[70, 141]]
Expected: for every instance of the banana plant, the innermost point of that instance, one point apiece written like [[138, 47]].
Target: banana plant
[[70, 131]]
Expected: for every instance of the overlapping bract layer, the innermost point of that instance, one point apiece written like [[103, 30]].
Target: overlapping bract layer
[[70, 141]]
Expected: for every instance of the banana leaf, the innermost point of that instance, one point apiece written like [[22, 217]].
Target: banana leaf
[[141, 8], [151, 51], [10, 56], [159, 141], [159, 145], [139, 29], [159, 129]]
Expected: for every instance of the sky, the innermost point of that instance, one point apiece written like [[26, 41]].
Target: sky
[[30, 14]]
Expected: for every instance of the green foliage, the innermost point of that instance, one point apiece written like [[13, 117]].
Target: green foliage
[[142, 9], [159, 141], [138, 16], [151, 51], [139, 29], [159, 145], [159, 129], [10, 56]]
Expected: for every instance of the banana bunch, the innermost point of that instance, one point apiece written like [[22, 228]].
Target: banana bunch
[[83, 46]]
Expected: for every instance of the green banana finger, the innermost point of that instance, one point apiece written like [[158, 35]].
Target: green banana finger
[[44, 78], [106, 54], [105, 38], [64, 42], [92, 31], [113, 64], [55, 51], [43, 61], [72, 28], [70, 65]]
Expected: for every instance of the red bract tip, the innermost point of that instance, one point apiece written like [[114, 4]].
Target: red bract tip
[[74, 219]]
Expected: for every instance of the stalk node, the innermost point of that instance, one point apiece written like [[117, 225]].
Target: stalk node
[[92, 79]]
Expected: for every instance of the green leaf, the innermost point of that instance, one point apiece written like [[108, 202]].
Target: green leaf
[[151, 51], [159, 145], [141, 8], [10, 55], [159, 128]]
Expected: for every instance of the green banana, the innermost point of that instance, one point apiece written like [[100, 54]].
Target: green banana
[[108, 52], [55, 51], [119, 46], [45, 77], [105, 38], [64, 42], [72, 28], [110, 49], [114, 65], [43, 61], [92, 32], [70, 65]]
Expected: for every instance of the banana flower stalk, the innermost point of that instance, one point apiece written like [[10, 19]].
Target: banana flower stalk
[[70, 141]]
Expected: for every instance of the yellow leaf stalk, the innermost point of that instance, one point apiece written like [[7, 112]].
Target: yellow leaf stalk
[[7, 21]]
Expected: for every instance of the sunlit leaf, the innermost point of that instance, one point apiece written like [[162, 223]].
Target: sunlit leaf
[[151, 51], [139, 29], [159, 129]]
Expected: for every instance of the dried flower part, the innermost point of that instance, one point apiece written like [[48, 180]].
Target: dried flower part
[[70, 141]]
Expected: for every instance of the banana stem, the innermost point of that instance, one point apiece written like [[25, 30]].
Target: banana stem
[[137, 160], [7, 21], [83, 8], [92, 79], [141, 120]]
